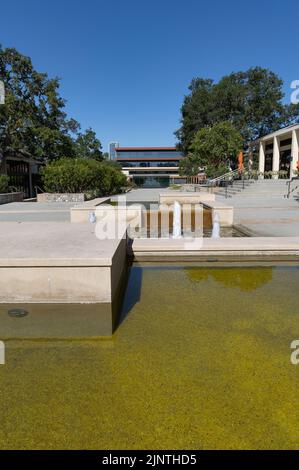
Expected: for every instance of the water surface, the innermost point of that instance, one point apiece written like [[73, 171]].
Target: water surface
[[201, 360]]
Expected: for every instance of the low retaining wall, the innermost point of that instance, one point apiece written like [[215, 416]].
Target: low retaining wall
[[80, 214], [120, 215], [226, 213], [207, 250], [5, 198], [60, 197], [68, 266], [185, 197]]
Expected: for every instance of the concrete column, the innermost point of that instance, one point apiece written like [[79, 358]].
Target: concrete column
[[295, 152], [276, 156], [262, 159]]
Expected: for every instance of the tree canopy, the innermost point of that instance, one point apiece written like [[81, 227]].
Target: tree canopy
[[33, 121], [212, 148], [88, 146], [252, 101], [215, 145]]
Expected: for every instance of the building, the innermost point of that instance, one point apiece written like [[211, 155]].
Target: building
[[279, 151], [148, 166], [23, 173]]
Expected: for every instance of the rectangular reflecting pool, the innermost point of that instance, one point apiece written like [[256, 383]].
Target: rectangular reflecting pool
[[200, 360]]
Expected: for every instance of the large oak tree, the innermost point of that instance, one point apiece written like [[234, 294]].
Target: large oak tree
[[33, 121], [252, 101]]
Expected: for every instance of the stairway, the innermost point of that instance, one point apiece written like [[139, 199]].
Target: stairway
[[257, 188]]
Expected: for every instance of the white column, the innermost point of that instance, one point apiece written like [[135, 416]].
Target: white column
[[295, 152], [262, 159], [276, 156]]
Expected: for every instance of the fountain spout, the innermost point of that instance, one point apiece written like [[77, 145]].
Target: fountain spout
[[216, 226], [177, 224]]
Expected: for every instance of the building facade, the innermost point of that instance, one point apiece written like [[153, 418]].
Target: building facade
[[23, 173], [279, 152], [148, 166]]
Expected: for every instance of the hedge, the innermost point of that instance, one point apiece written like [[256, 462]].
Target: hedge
[[4, 183], [94, 178]]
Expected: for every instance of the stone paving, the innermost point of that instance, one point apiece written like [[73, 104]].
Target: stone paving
[[261, 216], [35, 212]]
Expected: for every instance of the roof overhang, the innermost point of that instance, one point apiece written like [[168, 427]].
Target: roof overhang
[[146, 149], [284, 131]]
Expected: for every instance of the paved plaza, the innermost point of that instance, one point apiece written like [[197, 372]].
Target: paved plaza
[[261, 216], [269, 217], [35, 212]]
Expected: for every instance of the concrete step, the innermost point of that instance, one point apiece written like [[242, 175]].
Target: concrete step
[[276, 189]]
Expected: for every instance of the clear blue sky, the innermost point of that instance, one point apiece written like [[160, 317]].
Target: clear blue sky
[[125, 65]]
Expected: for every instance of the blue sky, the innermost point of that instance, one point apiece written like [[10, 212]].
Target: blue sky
[[125, 65]]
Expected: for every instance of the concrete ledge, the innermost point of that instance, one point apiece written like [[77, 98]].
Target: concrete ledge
[[54, 263], [184, 197], [60, 197], [80, 213], [6, 198], [226, 213], [128, 215], [258, 248]]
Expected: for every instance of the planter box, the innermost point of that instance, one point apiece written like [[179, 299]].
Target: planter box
[[60, 197], [5, 198]]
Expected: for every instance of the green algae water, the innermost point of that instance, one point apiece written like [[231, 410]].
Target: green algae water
[[201, 360]]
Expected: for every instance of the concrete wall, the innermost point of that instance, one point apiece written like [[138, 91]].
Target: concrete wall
[[83, 273], [239, 250], [185, 197], [226, 213], [60, 197], [55, 284], [5, 198], [80, 214]]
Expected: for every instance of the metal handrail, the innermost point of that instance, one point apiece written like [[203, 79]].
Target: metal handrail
[[288, 183], [36, 188], [229, 174], [228, 179]]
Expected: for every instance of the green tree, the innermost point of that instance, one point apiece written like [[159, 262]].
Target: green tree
[[88, 146], [211, 148], [189, 165], [196, 111], [32, 119], [252, 101]]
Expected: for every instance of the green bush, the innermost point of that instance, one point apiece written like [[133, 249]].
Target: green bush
[[88, 176], [4, 183], [213, 171]]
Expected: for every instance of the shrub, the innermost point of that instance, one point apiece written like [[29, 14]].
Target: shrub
[[283, 174], [4, 183], [91, 177], [213, 171]]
